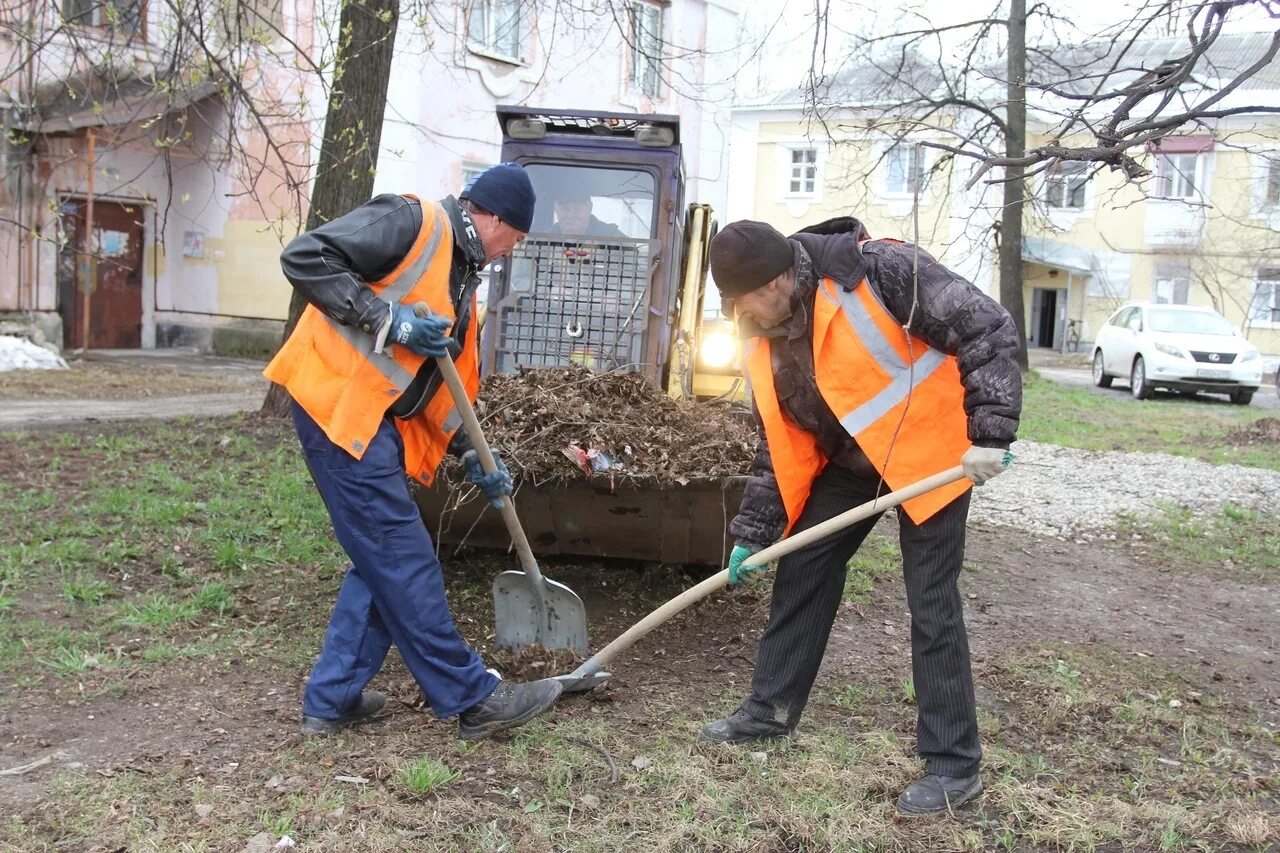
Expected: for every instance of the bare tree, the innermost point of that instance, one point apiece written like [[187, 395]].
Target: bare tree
[[352, 131], [1102, 98]]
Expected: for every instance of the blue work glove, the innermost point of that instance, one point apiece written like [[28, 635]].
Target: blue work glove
[[739, 572], [422, 335], [493, 485]]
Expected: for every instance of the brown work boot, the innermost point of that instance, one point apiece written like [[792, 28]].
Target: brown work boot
[[510, 704]]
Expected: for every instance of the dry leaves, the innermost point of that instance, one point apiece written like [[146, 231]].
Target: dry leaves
[[533, 416]]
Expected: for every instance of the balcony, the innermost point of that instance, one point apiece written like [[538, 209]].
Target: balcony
[[1173, 223]]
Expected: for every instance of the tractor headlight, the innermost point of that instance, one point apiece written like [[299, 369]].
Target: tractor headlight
[[718, 349]]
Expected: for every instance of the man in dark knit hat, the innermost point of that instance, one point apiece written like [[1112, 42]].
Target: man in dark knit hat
[[369, 408], [872, 366]]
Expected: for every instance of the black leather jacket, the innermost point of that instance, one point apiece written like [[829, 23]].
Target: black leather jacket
[[330, 266]]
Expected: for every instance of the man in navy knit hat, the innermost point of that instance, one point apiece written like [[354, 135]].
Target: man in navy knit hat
[[369, 408]]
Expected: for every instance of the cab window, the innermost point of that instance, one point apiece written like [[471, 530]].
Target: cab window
[[593, 202]]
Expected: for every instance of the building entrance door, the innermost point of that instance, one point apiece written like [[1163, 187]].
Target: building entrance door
[[115, 295]]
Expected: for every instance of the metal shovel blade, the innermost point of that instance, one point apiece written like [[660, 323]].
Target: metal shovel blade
[[516, 614]]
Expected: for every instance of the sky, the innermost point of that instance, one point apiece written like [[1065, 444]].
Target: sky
[[789, 25]]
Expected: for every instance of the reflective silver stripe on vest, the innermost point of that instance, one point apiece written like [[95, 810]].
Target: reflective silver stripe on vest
[[893, 394], [362, 342], [905, 377], [452, 421], [396, 290], [866, 329]]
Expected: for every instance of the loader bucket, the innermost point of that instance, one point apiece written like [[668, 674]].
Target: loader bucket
[[675, 524]]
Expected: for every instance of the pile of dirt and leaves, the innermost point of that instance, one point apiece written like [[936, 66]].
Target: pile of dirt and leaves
[[1261, 431], [562, 424]]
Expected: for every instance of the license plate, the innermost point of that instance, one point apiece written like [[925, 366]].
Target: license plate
[[1204, 373]]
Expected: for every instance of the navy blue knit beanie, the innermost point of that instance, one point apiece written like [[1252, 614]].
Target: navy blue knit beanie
[[505, 191]]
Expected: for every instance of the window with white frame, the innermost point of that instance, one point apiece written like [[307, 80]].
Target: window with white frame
[[1265, 307], [1064, 187], [645, 37], [803, 176], [904, 170], [497, 27], [471, 171], [1271, 189], [1171, 283], [124, 17], [1176, 175]]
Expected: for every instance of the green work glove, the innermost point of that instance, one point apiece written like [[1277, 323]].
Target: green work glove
[[737, 571]]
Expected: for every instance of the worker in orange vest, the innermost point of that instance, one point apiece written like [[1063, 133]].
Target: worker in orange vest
[[369, 407], [871, 366]]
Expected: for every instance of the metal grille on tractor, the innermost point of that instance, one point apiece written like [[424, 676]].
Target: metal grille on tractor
[[579, 301]]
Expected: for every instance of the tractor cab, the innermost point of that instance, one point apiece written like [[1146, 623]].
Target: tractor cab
[[598, 281]]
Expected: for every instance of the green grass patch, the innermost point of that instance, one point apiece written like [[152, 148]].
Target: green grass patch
[[426, 775], [1081, 417], [84, 589], [158, 610], [1243, 542], [176, 526], [878, 557]]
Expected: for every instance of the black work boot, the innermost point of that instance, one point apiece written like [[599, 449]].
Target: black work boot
[[510, 704], [936, 794], [741, 728], [372, 703]]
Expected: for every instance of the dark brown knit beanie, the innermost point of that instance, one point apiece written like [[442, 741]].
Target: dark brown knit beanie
[[746, 255]]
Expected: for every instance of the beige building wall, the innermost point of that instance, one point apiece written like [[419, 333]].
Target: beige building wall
[[1215, 242], [855, 176]]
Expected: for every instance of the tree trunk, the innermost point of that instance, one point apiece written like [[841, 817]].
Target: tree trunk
[[352, 131], [1014, 185]]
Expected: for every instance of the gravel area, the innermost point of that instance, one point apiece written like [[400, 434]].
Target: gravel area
[[1061, 491]]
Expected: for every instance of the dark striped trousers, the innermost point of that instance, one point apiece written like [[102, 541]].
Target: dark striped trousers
[[807, 589]]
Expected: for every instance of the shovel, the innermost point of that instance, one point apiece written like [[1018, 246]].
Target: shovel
[[528, 608], [591, 673]]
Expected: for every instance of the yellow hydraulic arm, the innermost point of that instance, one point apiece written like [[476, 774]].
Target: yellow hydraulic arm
[[693, 281]]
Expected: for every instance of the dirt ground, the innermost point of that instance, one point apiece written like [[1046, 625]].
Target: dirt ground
[[1218, 634], [97, 381], [222, 724]]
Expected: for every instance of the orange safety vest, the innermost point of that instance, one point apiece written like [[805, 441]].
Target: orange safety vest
[[332, 371], [879, 387]]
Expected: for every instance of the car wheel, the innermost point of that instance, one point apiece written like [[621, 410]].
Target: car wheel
[[1138, 380], [1243, 397], [1100, 377]]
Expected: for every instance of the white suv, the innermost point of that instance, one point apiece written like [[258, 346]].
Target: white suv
[[1180, 347]]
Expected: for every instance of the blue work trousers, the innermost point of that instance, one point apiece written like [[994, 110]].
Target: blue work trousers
[[394, 589]]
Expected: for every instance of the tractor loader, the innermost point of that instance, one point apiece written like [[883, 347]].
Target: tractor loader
[[612, 276]]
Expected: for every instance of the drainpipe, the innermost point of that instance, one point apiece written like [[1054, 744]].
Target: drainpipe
[[92, 276]]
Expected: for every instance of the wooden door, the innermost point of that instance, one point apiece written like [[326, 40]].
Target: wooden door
[[115, 298]]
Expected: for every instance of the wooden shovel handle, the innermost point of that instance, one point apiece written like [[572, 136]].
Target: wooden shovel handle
[[719, 580], [462, 402], [858, 513], [472, 425]]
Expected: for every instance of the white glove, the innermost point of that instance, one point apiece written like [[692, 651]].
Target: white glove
[[982, 463]]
